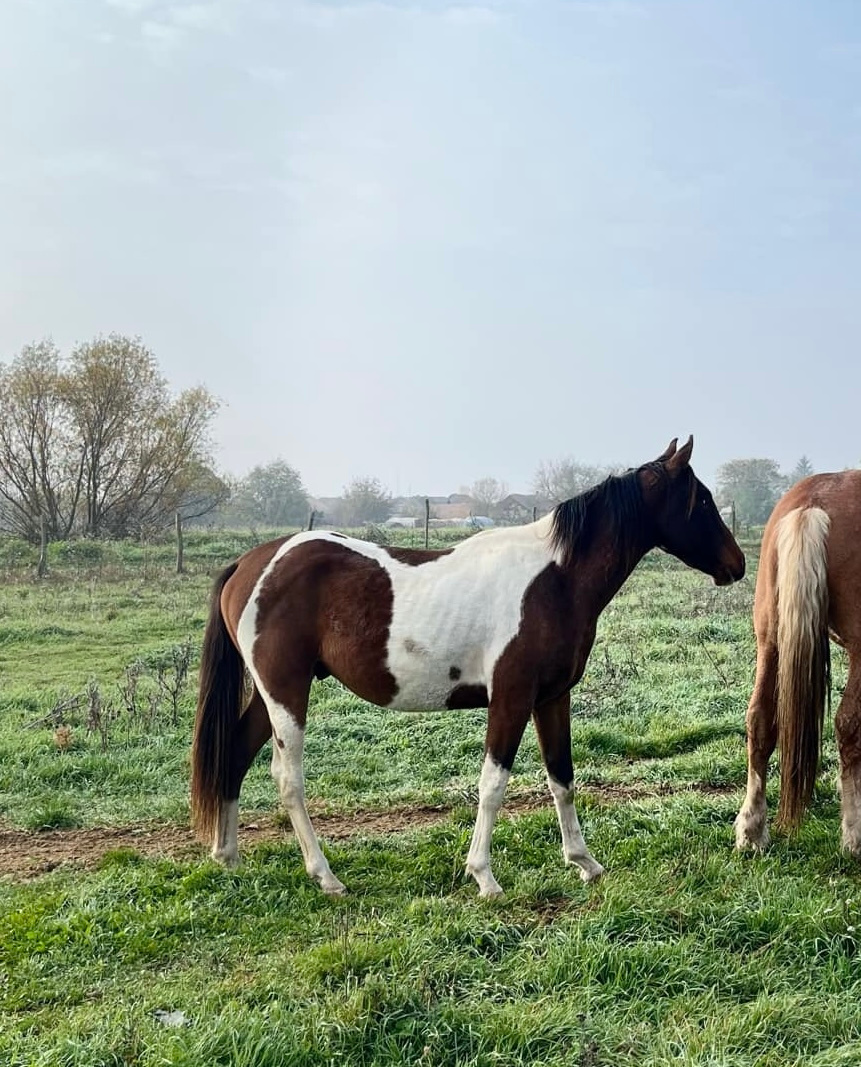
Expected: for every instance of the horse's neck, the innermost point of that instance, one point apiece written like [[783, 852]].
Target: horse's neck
[[601, 572]]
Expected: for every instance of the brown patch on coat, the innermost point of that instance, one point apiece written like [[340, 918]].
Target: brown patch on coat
[[548, 654], [415, 557], [467, 696], [323, 608]]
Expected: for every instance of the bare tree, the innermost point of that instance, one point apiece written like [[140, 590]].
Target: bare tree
[[559, 480], [40, 475], [98, 443], [487, 493], [138, 445]]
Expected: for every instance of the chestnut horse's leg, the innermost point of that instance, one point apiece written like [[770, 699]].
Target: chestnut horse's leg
[[847, 727], [252, 733], [553, 726], [751, 824], [506, 721]]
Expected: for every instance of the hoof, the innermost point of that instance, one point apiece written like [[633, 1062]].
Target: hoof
[[487, 885], [332, 887], [491, 892], [229, 860], [751, 834], [591, 874], [852, 845]]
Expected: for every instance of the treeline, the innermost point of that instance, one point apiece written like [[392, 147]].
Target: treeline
[[95, 444], [754, 486]]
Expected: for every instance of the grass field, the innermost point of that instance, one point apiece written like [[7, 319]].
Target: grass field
[[686, 953]]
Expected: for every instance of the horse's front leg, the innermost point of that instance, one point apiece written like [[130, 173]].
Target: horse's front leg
[[506, 721], [553, 726]]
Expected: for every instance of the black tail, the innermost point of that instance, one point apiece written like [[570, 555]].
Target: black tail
[[222, 684]]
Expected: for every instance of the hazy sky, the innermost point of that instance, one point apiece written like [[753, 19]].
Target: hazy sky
[[430, 242]]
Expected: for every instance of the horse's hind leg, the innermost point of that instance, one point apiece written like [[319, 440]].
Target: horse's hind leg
[[751, 824], [847, 727], [553, 726], [288, 707], [252, 733]]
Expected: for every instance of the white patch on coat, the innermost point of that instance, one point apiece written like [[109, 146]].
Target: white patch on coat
[[850, 803], [461, 610], [751, 823], [491, 789], [288, 739], [225, 848], [573, 845]]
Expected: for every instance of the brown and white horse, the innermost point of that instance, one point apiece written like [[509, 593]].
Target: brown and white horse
[[809, 583], [505, 620]]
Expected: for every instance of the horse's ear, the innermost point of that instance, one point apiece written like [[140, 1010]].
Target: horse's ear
[[679, 460], [670, 451]]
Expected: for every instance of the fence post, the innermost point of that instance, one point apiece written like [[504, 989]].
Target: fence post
[[427, 521], [179, 545], [732, 513], [42, 569], [534, 512], [311, 518]]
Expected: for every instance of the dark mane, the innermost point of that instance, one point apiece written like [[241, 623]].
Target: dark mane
[[616, 502]]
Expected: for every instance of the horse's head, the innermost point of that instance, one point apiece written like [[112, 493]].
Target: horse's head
[[686, 522]]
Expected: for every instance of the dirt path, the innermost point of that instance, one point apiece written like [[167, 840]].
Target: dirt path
[[26, 854]]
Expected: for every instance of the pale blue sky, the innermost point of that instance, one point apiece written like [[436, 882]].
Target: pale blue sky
[[431, 242]]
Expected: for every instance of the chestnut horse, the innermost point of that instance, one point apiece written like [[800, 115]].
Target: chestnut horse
[[505, 621], [809, 583]]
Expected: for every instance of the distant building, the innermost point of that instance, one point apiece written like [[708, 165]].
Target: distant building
[[519, 508]]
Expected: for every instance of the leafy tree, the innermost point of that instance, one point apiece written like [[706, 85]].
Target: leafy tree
[[364, 500], [271, 495], [39, 476], [96, 443], [559, 480], [487, 493], [754, 485], [802, 469]]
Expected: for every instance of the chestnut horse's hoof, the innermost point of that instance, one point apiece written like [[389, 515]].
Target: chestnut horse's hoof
[[751, 832]]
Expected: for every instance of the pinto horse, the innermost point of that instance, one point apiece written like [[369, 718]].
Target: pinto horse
[[808, 585], [505, 620]]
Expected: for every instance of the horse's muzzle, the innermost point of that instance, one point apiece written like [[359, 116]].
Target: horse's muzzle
[[733, 572]]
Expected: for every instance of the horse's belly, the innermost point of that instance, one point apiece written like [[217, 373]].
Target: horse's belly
[[414, 680], [426, 680]]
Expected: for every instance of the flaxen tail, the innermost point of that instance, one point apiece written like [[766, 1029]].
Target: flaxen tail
[[804, 655], [222, 684]]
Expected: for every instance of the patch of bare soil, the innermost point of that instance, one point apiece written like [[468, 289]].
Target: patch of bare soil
[[26, 854]]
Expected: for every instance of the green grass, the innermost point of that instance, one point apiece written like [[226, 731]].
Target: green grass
[[686, 953]]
